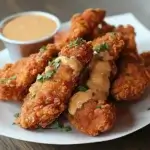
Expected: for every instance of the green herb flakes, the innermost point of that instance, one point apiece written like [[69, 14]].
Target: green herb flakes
[[55, 64], [45, 76], [7, 80], [16, 115], [66, 128], [60, 126], [76, 42], [43, 48], [48, 74], [56, 125], [82, 88], [98, 107], [39, 77], [101, 47]]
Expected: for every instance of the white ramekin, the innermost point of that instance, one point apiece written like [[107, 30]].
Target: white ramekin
[[19, 49]]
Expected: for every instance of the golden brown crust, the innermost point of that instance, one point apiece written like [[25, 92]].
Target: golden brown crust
[[128, 34], [79, 52], [101, 30], [115, 42], [25, 72], [106, 28], [131, 80], [52, 95], [83, 24], [146, 58], [94, 118], [94, 16]]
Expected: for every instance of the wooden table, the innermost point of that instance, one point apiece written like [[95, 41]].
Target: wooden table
[[64, 9]]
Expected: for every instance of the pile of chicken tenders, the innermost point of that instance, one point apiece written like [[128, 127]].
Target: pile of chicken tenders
[[81, 74]]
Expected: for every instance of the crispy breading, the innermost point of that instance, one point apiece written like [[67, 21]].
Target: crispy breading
[[83, 24], [101, 30], [47, 100], [132, 79], [146, 58], [92, 119], [15, 79], [94, 16], [105, 28], [114, 41], [128, 34]]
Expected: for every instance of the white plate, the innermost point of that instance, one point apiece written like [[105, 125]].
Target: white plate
[[133, 116]]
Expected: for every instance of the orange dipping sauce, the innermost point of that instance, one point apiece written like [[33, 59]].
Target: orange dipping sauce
[[29, 27]]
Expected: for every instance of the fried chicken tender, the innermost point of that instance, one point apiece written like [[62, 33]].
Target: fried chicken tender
[[83, 24], [89, 111], [15, 79], [93, 120], [132, 79], [146, 58], [48, 99]]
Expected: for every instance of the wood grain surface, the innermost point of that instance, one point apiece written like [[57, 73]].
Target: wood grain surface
[[64, 10]]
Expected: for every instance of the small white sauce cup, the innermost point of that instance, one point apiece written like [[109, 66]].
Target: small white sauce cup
[[18, 49]]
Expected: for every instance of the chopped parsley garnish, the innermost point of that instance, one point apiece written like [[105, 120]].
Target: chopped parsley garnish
[[113, 34], [76, 42], [7, 80], [43, 48], [60, 126], [39, 77], [42, 77], [98, 107], [101, 47], [56, 63], [48, 74], [45, 76], [16, 115], [82, 88]]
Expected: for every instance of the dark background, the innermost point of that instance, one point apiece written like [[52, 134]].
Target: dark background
[[64, 10]]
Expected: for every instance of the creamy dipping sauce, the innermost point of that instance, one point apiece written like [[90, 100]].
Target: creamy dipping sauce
[[78, 100], [99, 77], [29, 27], [72, 62], [98, 84]]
